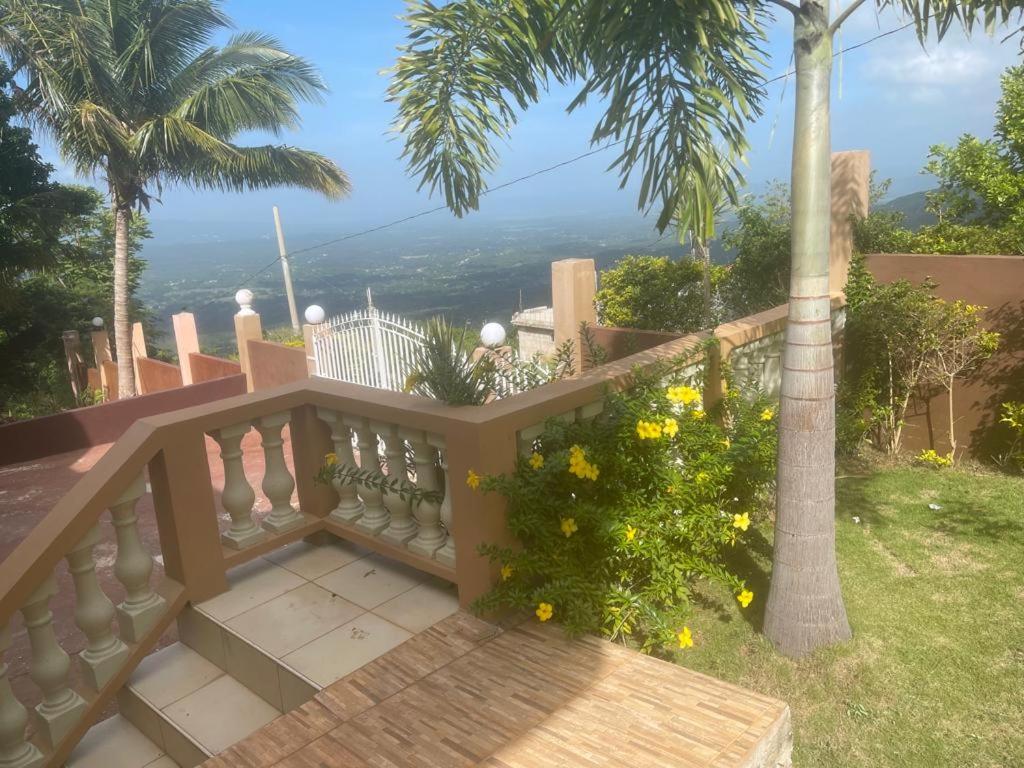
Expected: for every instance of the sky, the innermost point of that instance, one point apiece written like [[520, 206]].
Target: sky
[[890, 97]]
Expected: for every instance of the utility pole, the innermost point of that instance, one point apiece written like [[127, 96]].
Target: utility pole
[[287, 270]]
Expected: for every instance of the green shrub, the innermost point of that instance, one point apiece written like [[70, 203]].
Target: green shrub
[[1013, 417], [654, 293], [619, 516]]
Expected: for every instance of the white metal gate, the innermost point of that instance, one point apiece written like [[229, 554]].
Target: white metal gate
[[368, 347]]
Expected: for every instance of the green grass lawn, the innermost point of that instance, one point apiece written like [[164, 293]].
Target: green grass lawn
[[934, 675]]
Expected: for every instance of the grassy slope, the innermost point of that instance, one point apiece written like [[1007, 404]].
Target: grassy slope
[[935, 673]]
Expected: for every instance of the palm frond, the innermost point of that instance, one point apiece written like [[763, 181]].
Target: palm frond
[[264, 167]]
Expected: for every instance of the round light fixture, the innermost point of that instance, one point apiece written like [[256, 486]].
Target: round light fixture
[[492, 335]]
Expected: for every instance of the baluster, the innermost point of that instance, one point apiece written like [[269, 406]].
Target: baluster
[[349, 508], [402, 527], [15, 750], [61, 706], [104, 653], [431, 535], [375, 515], [238, 496], [446, 554], [133, 567], [278, 482]]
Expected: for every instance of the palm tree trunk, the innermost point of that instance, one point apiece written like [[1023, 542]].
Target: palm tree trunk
[[805, 604], [703, 253], [122, 317]]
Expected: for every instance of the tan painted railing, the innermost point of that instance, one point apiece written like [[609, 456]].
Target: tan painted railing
[[198, 545]]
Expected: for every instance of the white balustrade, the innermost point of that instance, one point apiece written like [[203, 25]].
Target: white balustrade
[[349, 508], [430, 536], [133, 568], [401, 526], [61, 706], [104, 653], [278, 482], [238, 497], [375, 515], [446, 554], [15, 750]]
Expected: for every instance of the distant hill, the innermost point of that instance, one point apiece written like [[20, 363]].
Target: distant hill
[[912, 207]]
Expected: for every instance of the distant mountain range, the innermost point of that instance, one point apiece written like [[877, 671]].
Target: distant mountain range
[[912, 207]]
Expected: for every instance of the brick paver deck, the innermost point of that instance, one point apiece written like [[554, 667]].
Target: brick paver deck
[[466, 693]]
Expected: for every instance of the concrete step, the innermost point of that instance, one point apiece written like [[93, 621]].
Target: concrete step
[[189, 707], [116, 743]]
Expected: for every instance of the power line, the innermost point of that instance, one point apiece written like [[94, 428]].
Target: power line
[[520, 179]]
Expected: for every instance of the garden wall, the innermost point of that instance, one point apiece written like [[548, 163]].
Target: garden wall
[[997, 283], [272, 364], [156, 375], [618, 343], [99, 424], [208, 367]]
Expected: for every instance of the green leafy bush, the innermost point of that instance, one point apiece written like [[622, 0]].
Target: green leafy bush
[[1013, 417], [619, 516], [654, 293]]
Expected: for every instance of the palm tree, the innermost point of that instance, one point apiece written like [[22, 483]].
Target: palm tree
[[133, 90], [680, 80]]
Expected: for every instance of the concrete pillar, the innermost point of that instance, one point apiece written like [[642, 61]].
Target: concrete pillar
[[851, 183], [101, 354], [74, 360], [573, 285], [138, 352], [247, 326], [307, 340], [186, 339]]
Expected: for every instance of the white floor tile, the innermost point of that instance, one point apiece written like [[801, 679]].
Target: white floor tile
[[114, 743], [422, 606], [311, 561], [288, 622], [250, 585], [221, 713], [171, 674], [372, 580], [346, 649]]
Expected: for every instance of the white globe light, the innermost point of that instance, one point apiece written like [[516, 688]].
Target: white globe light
[[492, 335], [97, 322], [315, 314], [244, 299]]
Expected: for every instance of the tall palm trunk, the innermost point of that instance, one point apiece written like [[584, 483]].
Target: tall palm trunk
[[122, 317], [805, 604], [703, 253]]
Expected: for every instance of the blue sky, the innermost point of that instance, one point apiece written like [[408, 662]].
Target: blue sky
[[890, 97]]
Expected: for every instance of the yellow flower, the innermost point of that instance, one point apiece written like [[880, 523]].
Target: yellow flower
[[670, 428], [648, 430], [685, 638], [506, 572], [727, 443], [684, 395], [767, 414], [569, 526], [741, 521], [473, 480], [579, 466], [545, 611], [745, 597], [698, 413], [630, 533], [536, 460], [702, 477], [331, 459]]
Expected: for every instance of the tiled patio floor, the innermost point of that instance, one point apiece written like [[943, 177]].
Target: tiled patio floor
[[466, 693]]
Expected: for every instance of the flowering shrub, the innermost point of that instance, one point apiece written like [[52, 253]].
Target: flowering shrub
[[1013, 417], [932, 459], [621, 515]]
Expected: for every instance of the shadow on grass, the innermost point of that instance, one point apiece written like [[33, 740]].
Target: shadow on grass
[[961, 514], [752, 562]]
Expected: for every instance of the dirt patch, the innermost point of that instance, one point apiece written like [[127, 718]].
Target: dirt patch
[[901, 569]]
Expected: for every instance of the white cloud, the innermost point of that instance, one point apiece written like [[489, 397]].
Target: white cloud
[[944, 67]]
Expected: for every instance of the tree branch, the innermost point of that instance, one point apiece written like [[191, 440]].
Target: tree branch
[[835, 25], [791, 7]]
